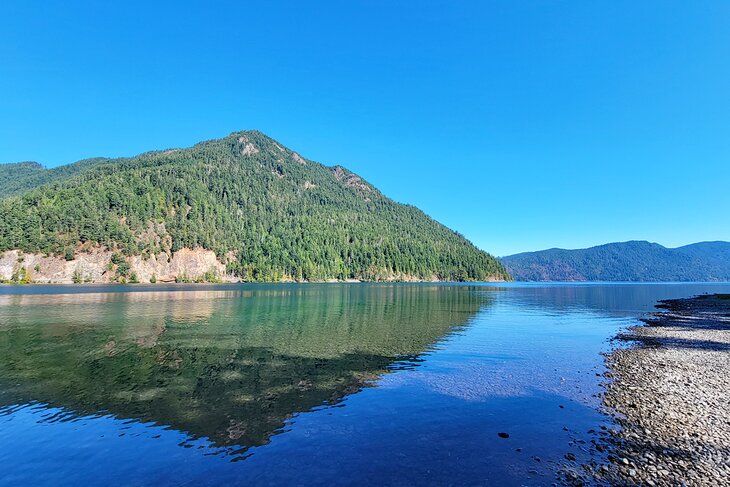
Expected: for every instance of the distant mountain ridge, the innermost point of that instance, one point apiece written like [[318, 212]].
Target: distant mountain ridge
[[243, 207], [18, 177], [638, 261]]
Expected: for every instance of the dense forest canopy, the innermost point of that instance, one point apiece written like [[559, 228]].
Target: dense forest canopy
[[267, 213], [20, 177]]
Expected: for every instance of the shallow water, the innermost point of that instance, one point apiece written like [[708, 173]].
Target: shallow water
[[377, 384]]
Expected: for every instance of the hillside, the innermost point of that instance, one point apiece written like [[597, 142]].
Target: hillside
[[625, 261], [17, 178], [262, 211]]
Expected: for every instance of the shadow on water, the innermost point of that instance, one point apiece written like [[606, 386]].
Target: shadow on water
[[683, 317], [674, 342], [228, 365]]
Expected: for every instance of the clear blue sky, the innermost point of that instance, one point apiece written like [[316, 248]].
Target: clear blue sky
[[523, 125]]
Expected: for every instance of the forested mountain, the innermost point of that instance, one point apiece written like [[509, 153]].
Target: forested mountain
[[265, 211], [625, 261], [715, 254], [22, 176]]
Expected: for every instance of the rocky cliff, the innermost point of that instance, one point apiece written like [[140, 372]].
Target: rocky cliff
[[103, 266]]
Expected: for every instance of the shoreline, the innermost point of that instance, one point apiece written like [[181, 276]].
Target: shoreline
[[670, 394], [172, 284]]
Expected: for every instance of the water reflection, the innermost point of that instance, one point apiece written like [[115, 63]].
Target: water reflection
[[227, 365], [609, 299], [163, 387]]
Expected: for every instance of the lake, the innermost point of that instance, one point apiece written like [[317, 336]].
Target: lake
[[356, 384]]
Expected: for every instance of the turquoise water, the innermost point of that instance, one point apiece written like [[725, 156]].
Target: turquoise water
[[356, 384]]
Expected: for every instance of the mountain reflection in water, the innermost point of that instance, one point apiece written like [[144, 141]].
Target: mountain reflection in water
[[227, 365]]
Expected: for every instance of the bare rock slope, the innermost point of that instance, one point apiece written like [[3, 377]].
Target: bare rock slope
[[101, 266]]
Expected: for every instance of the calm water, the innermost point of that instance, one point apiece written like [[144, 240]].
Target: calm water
[[365, 384]]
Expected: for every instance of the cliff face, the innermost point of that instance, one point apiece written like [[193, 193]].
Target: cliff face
[[185, 264], [103, 266]]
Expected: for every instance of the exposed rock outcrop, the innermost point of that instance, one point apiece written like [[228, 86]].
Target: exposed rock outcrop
[[185, 264], [102, 265], [349, 179]]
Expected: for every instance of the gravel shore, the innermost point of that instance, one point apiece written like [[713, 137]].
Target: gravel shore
[[670, 392]]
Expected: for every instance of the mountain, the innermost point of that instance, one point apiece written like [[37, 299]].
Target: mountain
[[716, 254], [20, 177], [624, 261], [244, 206]]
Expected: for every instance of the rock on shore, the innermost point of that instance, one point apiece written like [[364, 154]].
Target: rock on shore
[[671, 395]]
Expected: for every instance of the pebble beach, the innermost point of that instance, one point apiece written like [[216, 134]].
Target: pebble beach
[[670, 393]]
